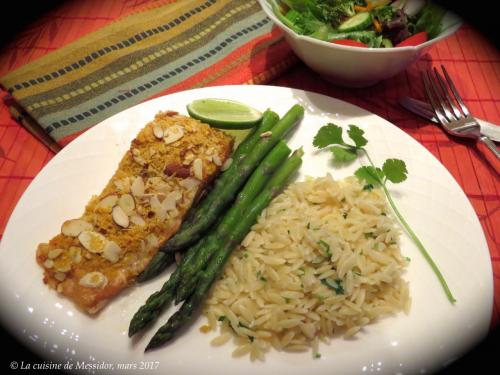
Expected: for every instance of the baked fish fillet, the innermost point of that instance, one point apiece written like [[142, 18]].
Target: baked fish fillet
[[100, 253]]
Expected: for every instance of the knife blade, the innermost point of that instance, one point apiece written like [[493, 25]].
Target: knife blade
[[425, 111]]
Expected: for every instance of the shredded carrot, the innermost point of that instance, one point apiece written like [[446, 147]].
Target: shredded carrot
[[367, 8], [359, 8], [377, 25]]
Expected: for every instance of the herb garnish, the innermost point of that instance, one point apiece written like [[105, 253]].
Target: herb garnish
[[393, 170], [326, 248], [336, 285]]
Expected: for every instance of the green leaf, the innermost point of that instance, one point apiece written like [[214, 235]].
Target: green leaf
[[370, 175], [325, 247], [342, 154], [395, 170], [430, 20], [329, 134], [356, 134], [335, 285]]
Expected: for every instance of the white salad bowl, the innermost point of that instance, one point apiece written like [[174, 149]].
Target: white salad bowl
[[357, 66]]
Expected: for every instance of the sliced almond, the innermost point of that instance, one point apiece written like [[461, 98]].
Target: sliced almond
[[123, 185], [157, 184], [92, 241], [177, 195], [139, 160], [173, 134], [162, 214], [112, 252], [137, 188], [158, 131], [226, 164], [266, 134], [188, 158], [216, 160], [170, 201], [137, 220], [179, 170], [155, 203], [75, 254], [54, 253], [198, 169], [158, 207], [60, 276], [127, 203], [93, 280], [190, 183], [73, 228], [108, 202], [49, 263], [64, 266], [210, 151], [152, 240], [120, 217]]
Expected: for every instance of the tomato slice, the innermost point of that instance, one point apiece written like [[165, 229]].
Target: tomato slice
[[349, 42], [414, 40]]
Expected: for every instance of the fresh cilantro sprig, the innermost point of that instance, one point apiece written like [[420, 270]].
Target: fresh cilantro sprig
[[331, 134], [393, 170]]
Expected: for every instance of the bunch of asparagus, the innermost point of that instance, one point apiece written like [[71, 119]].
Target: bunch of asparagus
[[260, 169]]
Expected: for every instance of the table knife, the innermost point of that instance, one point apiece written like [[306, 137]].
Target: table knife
[[424, 110]]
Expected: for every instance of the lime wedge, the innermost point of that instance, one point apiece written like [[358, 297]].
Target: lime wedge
[[224, 113]]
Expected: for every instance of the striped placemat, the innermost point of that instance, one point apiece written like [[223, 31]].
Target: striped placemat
[[166, 45]]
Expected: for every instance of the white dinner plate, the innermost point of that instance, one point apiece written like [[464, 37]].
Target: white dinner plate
[[432, 335]]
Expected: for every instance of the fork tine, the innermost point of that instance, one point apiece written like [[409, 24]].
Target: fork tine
[[425, 108], [430, 95], [439, 96], [444, 89], [464, 108]]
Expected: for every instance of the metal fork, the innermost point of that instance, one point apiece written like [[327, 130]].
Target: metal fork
[[453, 115]]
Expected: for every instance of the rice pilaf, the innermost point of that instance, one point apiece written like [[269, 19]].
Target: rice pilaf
[[323, 260]]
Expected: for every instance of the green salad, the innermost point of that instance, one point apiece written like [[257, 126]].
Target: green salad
[[361, 23]]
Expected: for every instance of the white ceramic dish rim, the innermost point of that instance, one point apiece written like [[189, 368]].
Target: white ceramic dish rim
[[444, 34], [474, 332]]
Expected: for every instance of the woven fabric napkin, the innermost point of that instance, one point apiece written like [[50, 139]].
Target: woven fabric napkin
[[165, 47]]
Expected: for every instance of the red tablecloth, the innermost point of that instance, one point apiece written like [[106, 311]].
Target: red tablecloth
[[471, 60]]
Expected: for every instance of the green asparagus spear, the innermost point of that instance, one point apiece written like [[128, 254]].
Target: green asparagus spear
[[216, 264], [227, 186], [159, 300], [156, 266], [269, 119], [154, 305], [159, 262], [252, 188]]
